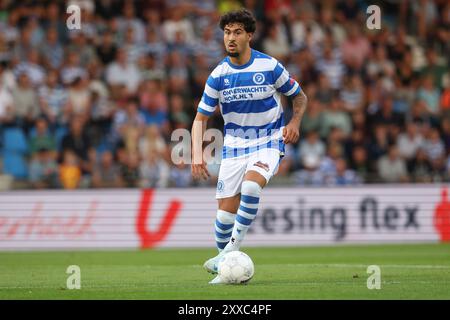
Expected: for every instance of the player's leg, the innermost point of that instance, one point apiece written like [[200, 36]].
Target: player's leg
[[225, 217], [230, 177], [261, 167]]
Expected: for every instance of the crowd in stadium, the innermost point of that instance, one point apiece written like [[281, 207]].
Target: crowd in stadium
[[96, 107]]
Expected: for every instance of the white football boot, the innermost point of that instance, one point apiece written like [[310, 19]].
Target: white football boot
[[216, 280], [212, 264]]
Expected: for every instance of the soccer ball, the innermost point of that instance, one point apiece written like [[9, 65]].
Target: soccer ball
[[236, 267]]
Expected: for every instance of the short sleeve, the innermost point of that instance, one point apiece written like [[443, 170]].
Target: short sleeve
[[210, 98], [284, 83]]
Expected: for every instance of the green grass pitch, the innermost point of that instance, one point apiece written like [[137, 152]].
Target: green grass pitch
[[338, 272]]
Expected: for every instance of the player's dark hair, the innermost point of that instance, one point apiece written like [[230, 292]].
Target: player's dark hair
[[242, 16]]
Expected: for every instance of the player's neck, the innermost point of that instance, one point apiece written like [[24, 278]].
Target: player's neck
[[242, 58]]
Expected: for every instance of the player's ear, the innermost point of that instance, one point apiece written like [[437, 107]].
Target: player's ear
[[250, 36]]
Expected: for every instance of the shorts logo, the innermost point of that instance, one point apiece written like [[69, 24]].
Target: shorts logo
[[264, 166], [220, 185], [258, 78]]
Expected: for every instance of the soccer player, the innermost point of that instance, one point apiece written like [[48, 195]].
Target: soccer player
[[246, 85]]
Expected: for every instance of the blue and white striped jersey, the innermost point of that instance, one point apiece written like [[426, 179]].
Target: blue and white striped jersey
[[249, 97]]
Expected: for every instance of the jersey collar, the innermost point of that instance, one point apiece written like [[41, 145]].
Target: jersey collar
[[235, 66]]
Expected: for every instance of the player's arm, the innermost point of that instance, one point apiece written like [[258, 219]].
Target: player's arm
[[291, 132], [290, 88], [198, 165], [206, 108]]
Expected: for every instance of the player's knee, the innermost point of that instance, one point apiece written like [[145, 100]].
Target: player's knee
[[251, 188], [230, 204]]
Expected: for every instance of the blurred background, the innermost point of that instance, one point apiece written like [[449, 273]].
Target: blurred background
[[96, 107]]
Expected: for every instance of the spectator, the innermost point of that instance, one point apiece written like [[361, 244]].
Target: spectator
[[43, 169], [180, 176], [343, 175], [177, 22], [313, 118], [380, 142], [410, 142], [352, 94], [331, 65], [430, 95], [359, 163], [129, 170], [335, 116], [121, 72], [435, 68], [391, 167], [420, 168], [106, 173], [325, 93], [6, 102], [106, 49], [25, 102], [79, 143], [179, 117], [51, 50], [154, 171], [53, 99], [355, 48], [129, 20], [125, 119], [79, 45], [72, 69], [32, 68], [276, 44], [327, 167], [69, 170], [312, 146], [310, 174], [434, 146], [380, 64], [79, 99], [42, 139]]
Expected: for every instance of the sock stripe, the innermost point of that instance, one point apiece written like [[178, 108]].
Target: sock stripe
[[222, 240], [221, 245], [250, 205], [223, 235], [246, 215], [224, 226], [248, 210], [224, 231], [249, 199], [244, 221]]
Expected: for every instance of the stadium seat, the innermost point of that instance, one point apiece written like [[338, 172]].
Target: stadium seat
[[14, 164], [14, 140]]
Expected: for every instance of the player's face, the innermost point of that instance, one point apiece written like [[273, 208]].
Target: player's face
[[236, 39]]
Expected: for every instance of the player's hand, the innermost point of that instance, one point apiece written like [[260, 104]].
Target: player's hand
[[199, 171], [291, 133]]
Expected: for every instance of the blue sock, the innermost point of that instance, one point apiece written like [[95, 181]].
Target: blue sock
[[250, 193], [224, 226]]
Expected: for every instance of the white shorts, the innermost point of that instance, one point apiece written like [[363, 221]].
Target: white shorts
[[232, 170]]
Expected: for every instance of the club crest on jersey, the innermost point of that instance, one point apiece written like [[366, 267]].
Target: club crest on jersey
[[226, 81], [258, 78]]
